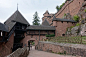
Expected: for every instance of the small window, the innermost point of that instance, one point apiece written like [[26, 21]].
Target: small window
[[85, 31], [79, 2], [63, 34], [1, 34]]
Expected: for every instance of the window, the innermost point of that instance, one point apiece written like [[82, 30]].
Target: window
[[63, 34], [1, 34], [79, 2], [31, 36], [23, 27], [14, 34]]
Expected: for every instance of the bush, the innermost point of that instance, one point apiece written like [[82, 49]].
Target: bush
[[33, 43], [72, 27], [85, 10], [64, 14], [78, 24], [52, 35], [76, 18]]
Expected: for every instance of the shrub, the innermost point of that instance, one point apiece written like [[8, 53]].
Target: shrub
[[72, 27], [78, 24], [51, 35], [64, 14], [85, 10], [33, 43], [76, 18]]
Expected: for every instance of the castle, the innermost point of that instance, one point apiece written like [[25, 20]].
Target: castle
[[17, 32]]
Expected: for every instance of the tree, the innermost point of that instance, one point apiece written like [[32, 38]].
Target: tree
[[57, 7], [36, 19]]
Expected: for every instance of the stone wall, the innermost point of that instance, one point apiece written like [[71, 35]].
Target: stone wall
[[61, 27], [71, 7], [20, 52], [73, 49], [6, 47], [35, 37]]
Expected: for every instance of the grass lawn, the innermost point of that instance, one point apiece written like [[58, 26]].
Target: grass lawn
[[74, 40]]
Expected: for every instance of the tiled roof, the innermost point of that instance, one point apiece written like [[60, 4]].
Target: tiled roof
[[16, 17], [36, 27], [64, 20], [3, 27]]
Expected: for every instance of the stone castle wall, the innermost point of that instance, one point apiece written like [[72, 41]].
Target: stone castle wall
[[20, 52], [61, 27], [71, 7], [6, 48], [73, 49], [34, 37]]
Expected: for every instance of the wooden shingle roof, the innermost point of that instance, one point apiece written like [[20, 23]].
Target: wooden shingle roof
[[16, 17], [36, 27]]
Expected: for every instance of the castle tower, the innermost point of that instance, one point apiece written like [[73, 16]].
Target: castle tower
[[47, 16]]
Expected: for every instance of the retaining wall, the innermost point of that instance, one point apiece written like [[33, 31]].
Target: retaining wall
[[73, 49]]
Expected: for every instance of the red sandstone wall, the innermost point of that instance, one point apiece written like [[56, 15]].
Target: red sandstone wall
[[6, 48], [70, 7], [34, 37], [62, 27]]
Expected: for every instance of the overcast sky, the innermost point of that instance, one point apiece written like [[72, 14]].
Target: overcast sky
[[27, 8]]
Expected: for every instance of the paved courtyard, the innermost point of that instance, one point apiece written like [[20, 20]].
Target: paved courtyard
[[35, 53]]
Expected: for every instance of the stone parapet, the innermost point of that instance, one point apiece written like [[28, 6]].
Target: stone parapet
[[73, 49], [20, 52]]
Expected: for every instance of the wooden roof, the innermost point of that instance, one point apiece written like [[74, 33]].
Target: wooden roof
[[36, 27], [16, 17]]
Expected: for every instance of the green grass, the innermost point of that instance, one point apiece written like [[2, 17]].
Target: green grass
[[74, 40]]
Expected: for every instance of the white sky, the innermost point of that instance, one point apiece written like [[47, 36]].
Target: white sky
[[27, 8]]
